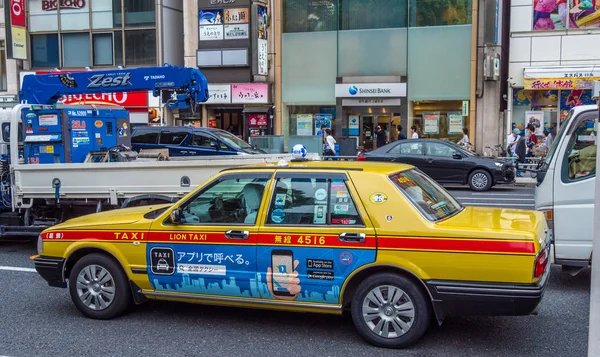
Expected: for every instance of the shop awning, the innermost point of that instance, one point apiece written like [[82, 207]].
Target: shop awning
[[261, 109], [561, 77]]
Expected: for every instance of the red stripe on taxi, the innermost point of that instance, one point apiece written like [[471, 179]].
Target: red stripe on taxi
[[456, 244]]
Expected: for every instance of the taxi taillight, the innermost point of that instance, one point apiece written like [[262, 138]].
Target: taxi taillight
[[541, 261]]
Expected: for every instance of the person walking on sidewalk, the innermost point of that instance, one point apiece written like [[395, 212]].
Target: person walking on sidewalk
[[330, 146], [401, 135], [519, 151], [381, 136], [414, 135]]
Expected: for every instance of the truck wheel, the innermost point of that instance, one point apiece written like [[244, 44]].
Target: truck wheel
[[388, 310], [480, 180], [98, 287]]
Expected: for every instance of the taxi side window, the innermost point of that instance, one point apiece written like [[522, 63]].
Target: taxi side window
[[580, 156], [226, 201], [312, 201]]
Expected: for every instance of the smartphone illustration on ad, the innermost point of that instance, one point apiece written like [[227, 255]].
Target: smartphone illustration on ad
[[282, 266]]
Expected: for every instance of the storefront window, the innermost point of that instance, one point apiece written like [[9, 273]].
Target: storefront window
[[102, 17], [75, 50], [306, 120], [140, 12], [310, 15], [375, 14], [440, 12], [438, 119], [44, 51], [140, 47], [103, 49]]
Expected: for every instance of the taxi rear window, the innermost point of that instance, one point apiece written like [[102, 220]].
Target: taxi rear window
[[433, 201]]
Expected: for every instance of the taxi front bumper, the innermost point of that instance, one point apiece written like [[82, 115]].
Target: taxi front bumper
[[51, 269], [451, 298]]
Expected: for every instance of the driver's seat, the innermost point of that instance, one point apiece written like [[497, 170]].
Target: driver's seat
[[252, 197]]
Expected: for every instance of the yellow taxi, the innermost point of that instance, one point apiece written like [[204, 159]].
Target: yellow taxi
[[382, 241]]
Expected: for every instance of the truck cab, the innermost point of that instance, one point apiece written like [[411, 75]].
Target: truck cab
[[566, 185]]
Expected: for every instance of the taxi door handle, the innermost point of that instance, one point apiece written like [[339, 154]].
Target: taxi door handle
[[237, 234], [352, 237]]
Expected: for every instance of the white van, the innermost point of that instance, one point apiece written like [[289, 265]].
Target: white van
[[566, 185]]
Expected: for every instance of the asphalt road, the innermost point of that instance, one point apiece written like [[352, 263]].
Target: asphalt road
[[37, 320], [501, 196]]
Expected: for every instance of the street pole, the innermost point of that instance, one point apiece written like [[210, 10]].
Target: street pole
[[594, 333]]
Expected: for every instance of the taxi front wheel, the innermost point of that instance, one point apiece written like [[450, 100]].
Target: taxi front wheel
[[98, 287], [388, 310]]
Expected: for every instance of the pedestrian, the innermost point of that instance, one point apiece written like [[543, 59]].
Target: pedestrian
[[548, 139], [323, 135], [519, 151], [381, 136], [329, 144], [532, 140], [465, 139], [511, 141], [401, 135], [413, 130]]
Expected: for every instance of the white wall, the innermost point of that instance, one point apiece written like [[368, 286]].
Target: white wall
[[172, 33], [547, 48]]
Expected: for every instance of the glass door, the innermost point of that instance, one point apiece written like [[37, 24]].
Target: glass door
[[367, 132]]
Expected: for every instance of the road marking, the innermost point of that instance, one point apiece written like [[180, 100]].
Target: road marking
[[497, 200], [28, 270], [501, 194], [500, 205]]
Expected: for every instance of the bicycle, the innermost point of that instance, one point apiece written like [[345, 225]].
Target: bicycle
[[496, 151]]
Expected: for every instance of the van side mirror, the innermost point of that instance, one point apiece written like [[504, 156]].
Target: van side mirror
[[457, 156], [214, 145], [176, 215]]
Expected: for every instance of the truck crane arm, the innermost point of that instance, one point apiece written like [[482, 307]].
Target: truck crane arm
[[189, 84]]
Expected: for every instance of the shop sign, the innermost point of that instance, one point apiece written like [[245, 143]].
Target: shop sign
[[18, 33], [304, 124], [236, 16], [455, 122], [368, 102], [50, 5], [17, 13], [210, 17], [561, 83], [8, 98], [249, 93], [263, 53], [222, 2], [257, 120], [431, 122], [219, 94], [465, 108], [211, 32], [234, 32], [370, 90]]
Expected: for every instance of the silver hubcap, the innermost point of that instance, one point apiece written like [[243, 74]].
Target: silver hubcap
[[95, 287], [479, 180], [388, 311]]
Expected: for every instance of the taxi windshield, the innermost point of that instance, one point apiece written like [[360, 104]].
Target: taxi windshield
[[434, 202]]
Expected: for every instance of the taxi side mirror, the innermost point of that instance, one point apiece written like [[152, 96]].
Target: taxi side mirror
[[176, 215]]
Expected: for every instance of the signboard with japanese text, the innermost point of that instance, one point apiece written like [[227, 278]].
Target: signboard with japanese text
[[250, 93], [353, 125], [211, 32], [455, 122], [234, 32], [263, 57], [304, 124], [431, 122], [17, 40], [219, 94], [257, 119], [236, 16]]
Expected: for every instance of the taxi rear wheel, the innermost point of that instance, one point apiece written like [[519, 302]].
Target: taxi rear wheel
[[98, 287], [388, 310]]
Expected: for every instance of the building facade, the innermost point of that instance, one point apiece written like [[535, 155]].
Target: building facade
[[9, 69], [80, 35], [354, 65], [231, 42], [554, 61]]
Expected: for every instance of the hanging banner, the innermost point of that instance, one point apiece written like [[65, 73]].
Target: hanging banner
[[304, 124], [322, 119], [431, 122], [455, 122], [535, 118], [17, 39]]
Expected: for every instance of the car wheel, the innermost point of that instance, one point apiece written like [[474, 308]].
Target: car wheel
[[98, 287], [388, 310], [480, 180]]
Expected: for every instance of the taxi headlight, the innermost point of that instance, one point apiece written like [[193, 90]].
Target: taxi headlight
[[40, 245]]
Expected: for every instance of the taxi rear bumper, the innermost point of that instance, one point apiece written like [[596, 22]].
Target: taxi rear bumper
[[51, 269], [451, 298]]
